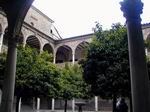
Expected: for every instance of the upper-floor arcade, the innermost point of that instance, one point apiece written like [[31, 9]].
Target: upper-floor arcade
[[37, 32]]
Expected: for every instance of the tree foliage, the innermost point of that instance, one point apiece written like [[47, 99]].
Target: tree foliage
[[107, 65], [72, 83], [35, 74]]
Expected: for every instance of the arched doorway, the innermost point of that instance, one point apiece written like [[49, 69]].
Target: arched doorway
[[63, 54], [81, 51]]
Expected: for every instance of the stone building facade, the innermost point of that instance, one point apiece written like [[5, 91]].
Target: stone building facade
[[39, 32]]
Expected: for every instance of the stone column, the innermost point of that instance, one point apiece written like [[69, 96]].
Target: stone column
[[19, 107], [9, 78], [54, 57], [41, 50], [73, 61], [53, 100], [73, 105], [73, 56], [38, 104], [146, 51], [24, 43], [96, 103], [138, 69], [1, 41], [53, 104]]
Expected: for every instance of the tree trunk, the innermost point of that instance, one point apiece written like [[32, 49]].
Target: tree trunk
[[114, 102], [17, 103], [65, 109]]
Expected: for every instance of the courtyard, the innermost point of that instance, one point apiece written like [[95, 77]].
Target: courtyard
[[17, 30]]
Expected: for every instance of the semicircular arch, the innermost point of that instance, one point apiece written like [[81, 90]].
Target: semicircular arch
[[33, 42], [63, 54], [48, 47], [81, 50]]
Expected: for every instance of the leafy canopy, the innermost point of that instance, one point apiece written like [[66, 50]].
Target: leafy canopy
[[72, 83], [35, 74], [107, 65]]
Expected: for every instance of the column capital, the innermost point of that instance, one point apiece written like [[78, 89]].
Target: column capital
[[11, 38], [132, 9]]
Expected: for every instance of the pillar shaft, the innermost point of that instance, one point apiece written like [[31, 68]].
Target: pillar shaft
[[19, 107], [53, 104], [73, 105], [1, 41], [73, 57], [138, 69], [38, 103], [96, 103], [146, 51], [139, 75], [53, 100], [54, 57], [9, 79]]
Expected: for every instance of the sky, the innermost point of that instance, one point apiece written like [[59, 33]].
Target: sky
[[78, 17]]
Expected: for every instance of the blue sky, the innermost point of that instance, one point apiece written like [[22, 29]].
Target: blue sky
[[78, 17]]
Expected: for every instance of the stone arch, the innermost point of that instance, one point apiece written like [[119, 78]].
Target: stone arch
[[33, 42], [48, 47], [80, 51], [63, 54]]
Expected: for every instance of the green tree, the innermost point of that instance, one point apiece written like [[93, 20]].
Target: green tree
[[72, 84], [107, 65], [35, 74]]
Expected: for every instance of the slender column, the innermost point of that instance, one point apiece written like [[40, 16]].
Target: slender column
[[96, 103], [41, 50], [138, 69], [53, 100], [73, 61], [1, 41], [73, 56], [19, 107], [146, 52], [53, 104], [38, 103], [54, 57], [73, 105], [24, 43], [9, 79]]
